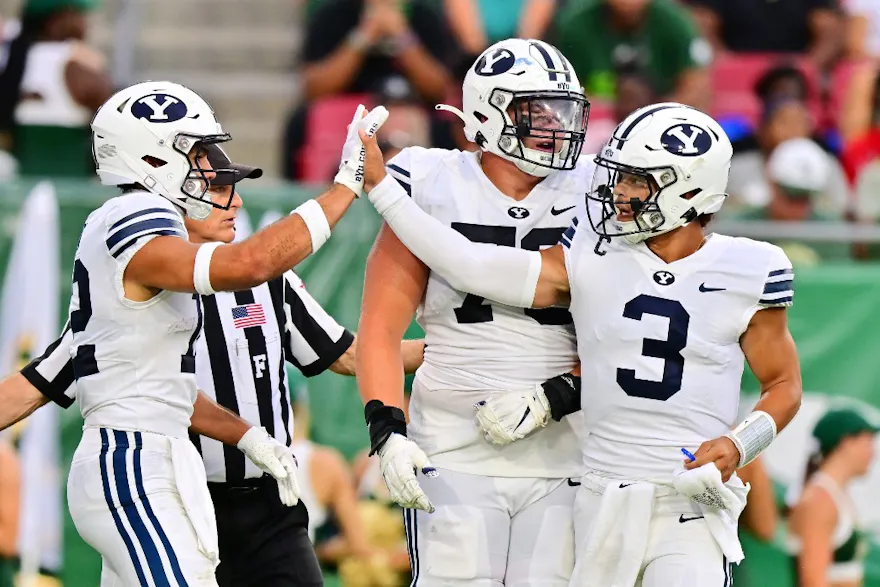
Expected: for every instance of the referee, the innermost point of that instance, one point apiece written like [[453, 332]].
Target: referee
[[247, 337]]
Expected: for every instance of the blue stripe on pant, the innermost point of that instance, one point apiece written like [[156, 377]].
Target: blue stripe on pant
[[129, 506], [105, 480], [412, 543], [139, 486]]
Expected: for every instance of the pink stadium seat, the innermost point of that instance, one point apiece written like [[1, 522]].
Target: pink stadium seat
[[326, 126], [733, 79]]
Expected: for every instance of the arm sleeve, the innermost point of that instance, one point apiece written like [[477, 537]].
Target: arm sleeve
[[52, 372], [504, 274], [313, 340]]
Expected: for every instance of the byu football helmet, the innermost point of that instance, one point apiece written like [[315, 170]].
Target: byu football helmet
[[522, 101], [144, 134], [679, 155]]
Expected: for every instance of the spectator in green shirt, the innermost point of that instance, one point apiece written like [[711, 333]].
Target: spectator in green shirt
[[656, 36]]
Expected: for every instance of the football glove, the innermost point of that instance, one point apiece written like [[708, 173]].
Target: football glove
[[507, 417], [351, 166], [274, 458], [399, 457]]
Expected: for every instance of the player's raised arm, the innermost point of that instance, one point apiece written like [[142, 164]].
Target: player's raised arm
[[171, 263], [505, 274]]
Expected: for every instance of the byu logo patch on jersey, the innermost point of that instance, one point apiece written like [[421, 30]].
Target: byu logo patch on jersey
[[687, 140], [159, 108], [517, 212], [664, 278], [495, 62]]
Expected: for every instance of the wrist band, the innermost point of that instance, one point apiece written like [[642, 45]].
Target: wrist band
[[202, 269], [313, 215], [753, 436]]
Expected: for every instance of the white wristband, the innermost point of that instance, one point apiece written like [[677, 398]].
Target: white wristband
[[753, 436], [316, 221], [202, 269]]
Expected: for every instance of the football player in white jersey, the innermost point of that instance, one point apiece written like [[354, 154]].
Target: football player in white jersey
[[666, 315], [136, 490], [498, 514]]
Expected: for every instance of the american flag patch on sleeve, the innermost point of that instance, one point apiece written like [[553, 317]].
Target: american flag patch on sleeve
[[248, 315]]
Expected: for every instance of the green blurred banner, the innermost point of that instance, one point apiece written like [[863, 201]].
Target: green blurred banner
[[834, 321]]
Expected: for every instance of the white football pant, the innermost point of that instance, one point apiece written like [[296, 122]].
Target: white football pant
[[681, 551], [491, 531], [141, 500]]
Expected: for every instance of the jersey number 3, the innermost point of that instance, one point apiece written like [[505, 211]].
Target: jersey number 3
[[473, 310], [669, 350]]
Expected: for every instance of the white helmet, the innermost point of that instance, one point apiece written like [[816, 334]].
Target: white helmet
[[683, 156], [525, 88], [143, 135]]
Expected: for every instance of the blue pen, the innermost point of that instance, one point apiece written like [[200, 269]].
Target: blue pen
[[688, 454]]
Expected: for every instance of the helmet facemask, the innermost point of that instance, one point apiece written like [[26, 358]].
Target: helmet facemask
[[197, 201], [637, 218], [543, 131]]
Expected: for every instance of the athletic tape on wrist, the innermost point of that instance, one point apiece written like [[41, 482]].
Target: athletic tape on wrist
[[202, 269], [316, 221], [382, 422], [753, 436]]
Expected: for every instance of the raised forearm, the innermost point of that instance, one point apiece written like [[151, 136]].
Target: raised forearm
[[333, 74], [430, 78], [214, 421], [275, 249]]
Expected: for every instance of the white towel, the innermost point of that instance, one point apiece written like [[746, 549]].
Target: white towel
[[720, 503], [192, 486], [619, 539]]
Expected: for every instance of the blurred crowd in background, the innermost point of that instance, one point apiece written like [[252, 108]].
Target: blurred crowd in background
[[795, 83]]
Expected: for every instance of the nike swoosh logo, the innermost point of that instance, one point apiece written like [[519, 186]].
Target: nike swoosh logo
[[682, 519], [556, 212], [572, 483], [622, 485], [704, 289], [525, 415]]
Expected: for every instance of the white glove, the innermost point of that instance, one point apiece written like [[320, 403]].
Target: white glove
[[399, 458], [274, 458], [351, 166], [703, 485], [506, 417]]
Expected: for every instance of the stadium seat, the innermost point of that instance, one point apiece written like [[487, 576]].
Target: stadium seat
[[733, 77], [326, 126]]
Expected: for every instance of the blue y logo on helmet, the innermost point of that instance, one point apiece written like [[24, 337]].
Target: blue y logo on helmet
[[495, 62], [687, 140], [159, 108]]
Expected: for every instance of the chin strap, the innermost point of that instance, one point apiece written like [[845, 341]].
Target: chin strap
[[470, 122]]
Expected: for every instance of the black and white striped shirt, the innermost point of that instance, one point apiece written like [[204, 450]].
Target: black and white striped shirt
[[246, 339]]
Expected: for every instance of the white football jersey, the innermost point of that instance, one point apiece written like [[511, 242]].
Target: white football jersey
[[474, 347], [134, 361], [659, 343]]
